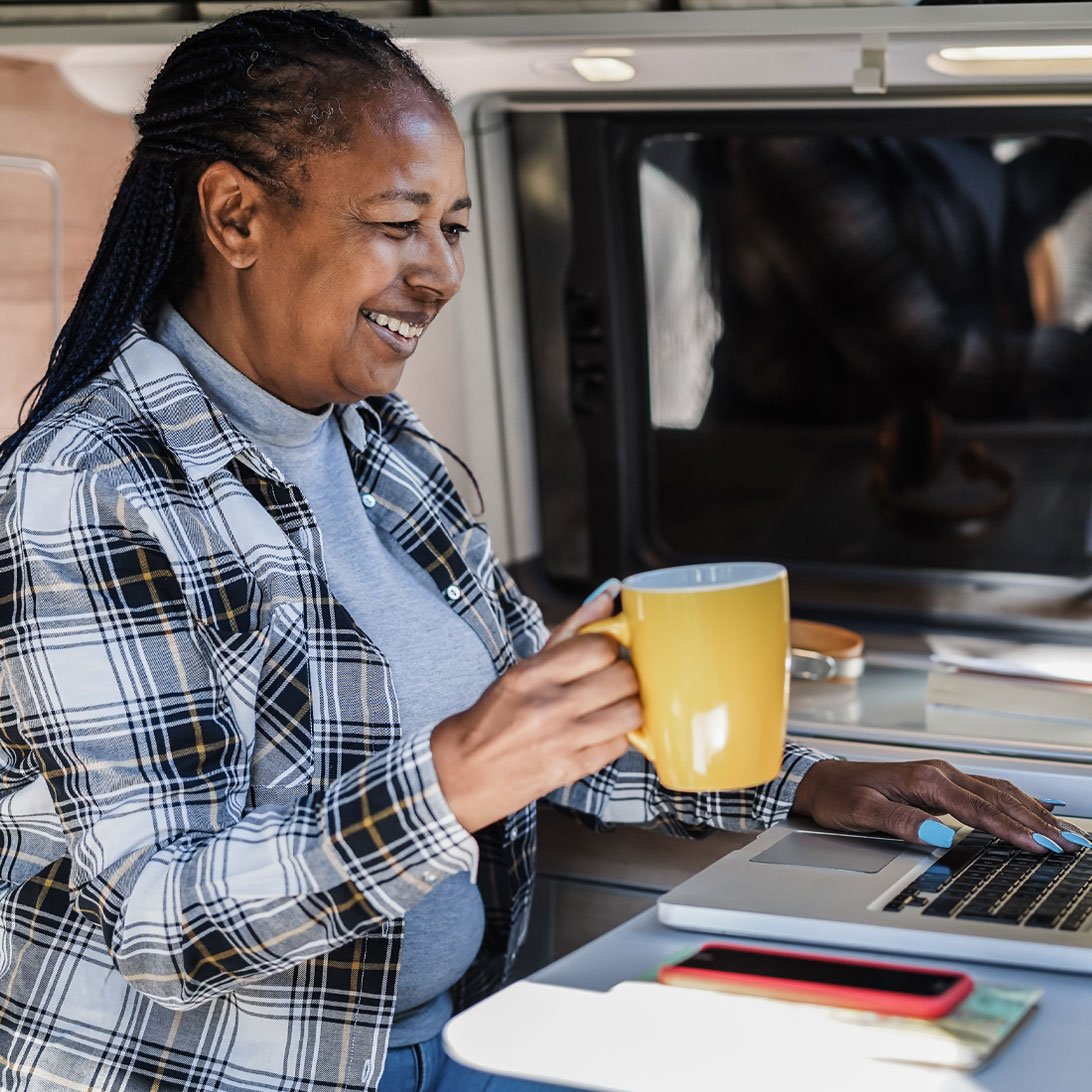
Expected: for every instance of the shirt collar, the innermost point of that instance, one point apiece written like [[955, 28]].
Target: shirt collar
[[262, 416], [199, 434], [164, 392]]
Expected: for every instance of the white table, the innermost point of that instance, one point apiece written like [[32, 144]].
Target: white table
[[1053, 1050]]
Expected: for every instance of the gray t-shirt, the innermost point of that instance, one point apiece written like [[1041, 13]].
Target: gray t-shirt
[[438, 664]]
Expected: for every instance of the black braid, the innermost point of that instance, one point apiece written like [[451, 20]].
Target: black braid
[[261, 90]]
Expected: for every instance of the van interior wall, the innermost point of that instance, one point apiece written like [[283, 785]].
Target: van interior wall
[[41, 118]]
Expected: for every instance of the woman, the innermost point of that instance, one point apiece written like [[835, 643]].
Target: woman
[[239, 592]]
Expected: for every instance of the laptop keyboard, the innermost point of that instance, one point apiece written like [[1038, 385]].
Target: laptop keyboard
[[985, 879]]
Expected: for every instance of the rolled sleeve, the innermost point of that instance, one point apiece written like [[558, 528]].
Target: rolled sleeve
[[393, 829], [628, 791]]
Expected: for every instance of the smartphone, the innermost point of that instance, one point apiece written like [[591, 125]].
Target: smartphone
[[890, 988]]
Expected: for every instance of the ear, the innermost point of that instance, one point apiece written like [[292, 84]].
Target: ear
[[231, 209]]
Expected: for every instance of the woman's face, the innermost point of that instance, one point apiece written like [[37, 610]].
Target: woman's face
[[341, 289]]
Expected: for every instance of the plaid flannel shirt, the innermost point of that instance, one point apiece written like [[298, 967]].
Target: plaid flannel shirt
[[210, 824]]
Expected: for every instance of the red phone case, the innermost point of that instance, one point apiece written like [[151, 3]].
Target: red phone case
[[887, 1002]]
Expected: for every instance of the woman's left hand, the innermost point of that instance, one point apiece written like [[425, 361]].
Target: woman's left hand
[[901, 798]]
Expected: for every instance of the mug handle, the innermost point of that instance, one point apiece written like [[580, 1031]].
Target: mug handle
[[617, 626]]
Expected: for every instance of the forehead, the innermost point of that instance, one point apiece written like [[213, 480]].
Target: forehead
[[398, 144]]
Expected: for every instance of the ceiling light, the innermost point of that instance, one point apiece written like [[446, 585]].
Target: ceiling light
[[1013, 60], [1019, 53], [608, 51], [604, 69]]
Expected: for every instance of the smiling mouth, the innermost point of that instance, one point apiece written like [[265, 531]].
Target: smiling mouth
[[405, 331]]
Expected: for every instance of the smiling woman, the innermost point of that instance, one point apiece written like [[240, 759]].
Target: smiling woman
[[288, 227], [324, 303], [274, 719]]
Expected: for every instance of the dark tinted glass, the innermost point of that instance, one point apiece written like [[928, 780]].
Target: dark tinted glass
[[869, 350], [854, 341]]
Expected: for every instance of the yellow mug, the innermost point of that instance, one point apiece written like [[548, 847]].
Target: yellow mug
[[710, 645]]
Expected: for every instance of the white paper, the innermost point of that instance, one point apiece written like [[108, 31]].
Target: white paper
[[1058, 663], [645, 1037]]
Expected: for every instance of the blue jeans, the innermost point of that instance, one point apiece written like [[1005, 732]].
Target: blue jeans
[[424, 1067]]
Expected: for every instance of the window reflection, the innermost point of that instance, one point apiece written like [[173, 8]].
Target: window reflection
[[684, 321], [855, 275], [880, 343]]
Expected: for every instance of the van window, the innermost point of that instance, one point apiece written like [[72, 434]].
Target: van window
[[857, 343]]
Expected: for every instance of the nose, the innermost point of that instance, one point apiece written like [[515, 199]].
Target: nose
[[438, 268]]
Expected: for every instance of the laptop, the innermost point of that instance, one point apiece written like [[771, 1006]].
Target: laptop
[[981, 900]]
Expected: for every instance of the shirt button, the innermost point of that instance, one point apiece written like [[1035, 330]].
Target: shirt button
[[368, 500], [453, 592], [429, 876]]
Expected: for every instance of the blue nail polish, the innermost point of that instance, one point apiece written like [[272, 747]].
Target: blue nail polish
[[1047, 843], [612, 585], [1076, 839], [1051, 802], [935, 833]]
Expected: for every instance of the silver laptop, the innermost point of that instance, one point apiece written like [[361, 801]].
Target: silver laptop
[[981, 900]]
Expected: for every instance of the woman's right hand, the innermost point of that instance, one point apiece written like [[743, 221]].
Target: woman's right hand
[[549, 721]]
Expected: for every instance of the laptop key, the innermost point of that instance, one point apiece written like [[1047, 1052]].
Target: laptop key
[[1013, 910], [942, 906], [1039, 920], [978, 907], [975, 915], [960, 855], [934, 878], [1078, 915]]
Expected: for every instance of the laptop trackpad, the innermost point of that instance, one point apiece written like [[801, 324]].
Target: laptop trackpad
[[850, 854]]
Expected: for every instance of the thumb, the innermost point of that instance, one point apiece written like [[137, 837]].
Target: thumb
[[600, 604]]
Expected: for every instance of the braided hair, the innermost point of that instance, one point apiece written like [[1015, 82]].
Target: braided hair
[[262, 90]]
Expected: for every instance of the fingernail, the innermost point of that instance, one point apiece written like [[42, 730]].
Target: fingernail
[[612, 587], [1047, 843], [1076, 839], [935, 833], [1051, 802]]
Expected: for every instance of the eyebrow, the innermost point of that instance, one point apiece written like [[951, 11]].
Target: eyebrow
[[416, 197]]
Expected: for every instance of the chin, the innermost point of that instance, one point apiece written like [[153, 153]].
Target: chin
[[380, 381]]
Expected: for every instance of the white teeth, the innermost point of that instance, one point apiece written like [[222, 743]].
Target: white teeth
[[397, 325]]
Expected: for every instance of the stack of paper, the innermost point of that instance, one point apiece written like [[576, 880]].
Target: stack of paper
[[1008, 690], [645, 1037]]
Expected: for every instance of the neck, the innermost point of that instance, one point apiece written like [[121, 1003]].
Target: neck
[[217, 311]]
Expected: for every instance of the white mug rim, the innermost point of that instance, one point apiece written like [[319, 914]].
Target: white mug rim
[[771, 571]]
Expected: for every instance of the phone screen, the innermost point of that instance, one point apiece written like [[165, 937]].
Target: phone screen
[[829, 972]]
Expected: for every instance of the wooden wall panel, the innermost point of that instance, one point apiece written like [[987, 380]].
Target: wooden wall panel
[[42, 118]]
